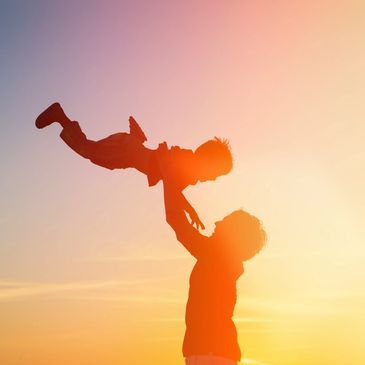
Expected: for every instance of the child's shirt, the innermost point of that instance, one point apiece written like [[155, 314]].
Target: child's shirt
[[181, 159]]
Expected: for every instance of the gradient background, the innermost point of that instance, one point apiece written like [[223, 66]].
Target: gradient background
[[90, 273]]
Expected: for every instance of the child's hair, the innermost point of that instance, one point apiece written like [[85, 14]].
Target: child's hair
[[217, 150], [244, 233]]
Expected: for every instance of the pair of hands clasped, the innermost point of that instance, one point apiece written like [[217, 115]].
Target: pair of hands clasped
[[169, 177]]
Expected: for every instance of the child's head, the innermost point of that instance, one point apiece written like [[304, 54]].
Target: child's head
[[241, 234], [214, 158]]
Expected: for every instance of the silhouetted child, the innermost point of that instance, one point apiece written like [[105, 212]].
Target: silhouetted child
[[126, 150], [211, 336]]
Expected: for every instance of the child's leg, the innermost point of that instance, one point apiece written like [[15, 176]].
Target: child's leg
[[118, 151], [121, 150]]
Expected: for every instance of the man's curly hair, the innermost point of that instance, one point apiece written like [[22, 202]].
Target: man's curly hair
[[244, 232]]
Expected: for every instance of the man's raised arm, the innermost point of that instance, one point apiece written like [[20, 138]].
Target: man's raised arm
[[190, 237]]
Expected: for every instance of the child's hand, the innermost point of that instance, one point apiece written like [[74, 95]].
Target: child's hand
[[195, 219]]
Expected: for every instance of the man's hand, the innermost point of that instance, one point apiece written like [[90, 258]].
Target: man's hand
[[195, 218]]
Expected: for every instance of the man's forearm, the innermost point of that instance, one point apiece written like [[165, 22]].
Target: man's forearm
[[185, 203], [176, 218], [174, 205]]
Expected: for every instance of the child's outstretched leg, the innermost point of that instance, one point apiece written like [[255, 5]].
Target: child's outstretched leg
[[120, 150], [54, 113]]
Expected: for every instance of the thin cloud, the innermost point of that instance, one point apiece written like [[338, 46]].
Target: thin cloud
[[247, 361], [281, 255], [14, 284], [128, 299], [127, 258], [169, 320], [254, 320], [10, 290], [286, 306]]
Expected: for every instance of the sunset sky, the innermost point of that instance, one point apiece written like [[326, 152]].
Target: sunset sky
[[90, 273]]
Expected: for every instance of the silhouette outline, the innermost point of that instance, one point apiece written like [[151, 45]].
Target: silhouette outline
[[211, 336], [126, 150]]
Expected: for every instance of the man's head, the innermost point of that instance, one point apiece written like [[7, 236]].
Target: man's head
[[213, 159], [240, 234]]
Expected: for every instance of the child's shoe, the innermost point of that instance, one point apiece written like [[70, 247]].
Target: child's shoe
[[53, 113]]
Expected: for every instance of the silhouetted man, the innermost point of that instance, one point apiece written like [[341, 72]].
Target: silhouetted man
[[211, 336]]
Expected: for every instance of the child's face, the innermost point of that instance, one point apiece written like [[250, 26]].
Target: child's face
[[206, 173]]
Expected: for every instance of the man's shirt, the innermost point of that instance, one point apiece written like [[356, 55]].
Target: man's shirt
[[209, 310]]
